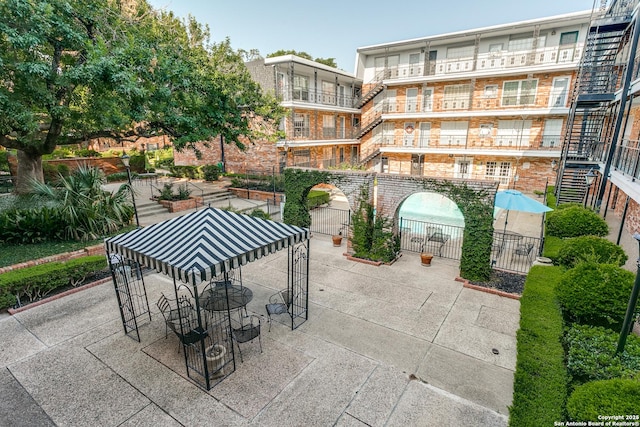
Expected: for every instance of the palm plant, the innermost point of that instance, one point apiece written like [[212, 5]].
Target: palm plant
[[87, 209]]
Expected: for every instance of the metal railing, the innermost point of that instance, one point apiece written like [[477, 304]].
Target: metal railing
[[545, 143], [442, 240], [319, 97], [330, 221], [514, 252], [626, 158]]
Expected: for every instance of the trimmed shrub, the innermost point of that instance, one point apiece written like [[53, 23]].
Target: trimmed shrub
[[540, 379], [592, 249], [86, 152], [191, 172], [32, 283], [316, 198], [575, 221], [211, 172], [591, 354], [552, 246], [259, 213], [595, 294], [21, 226], [606, 397]]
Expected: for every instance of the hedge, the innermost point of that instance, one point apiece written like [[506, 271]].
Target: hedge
[[574, 221], [590, 248], [316, 198], [32, 283], [540, 379], [606, 397]]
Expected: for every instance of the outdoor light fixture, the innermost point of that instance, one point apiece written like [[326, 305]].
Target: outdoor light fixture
[[631, 307], [589, 178], [126, 161]]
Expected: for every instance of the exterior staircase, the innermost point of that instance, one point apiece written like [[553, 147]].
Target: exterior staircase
[[589, 121]]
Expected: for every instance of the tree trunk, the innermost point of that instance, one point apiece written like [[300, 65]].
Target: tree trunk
[[29, 170]]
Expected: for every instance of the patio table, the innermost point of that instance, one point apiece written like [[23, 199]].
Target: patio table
[[215, 298]]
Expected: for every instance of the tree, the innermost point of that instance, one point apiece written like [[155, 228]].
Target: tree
[[331, 62], [73, 70]]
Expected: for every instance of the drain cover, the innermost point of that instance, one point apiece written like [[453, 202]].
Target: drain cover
[[495, 351]]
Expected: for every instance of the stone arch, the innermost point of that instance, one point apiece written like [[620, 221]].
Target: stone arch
[[474, 198]]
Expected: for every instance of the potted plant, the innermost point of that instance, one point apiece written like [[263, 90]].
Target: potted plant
[[337, 239], [425, 257]]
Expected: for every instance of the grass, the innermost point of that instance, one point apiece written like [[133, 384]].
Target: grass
[[15, 254], [540, 380]]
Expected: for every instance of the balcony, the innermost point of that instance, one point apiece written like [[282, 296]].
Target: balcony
[[626, 159], [308, 133], [318, 97], [489, 61], [494, 144]]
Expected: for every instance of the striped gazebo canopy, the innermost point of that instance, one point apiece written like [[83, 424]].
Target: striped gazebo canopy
[[201, 245]]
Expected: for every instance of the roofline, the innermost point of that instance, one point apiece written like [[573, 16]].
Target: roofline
[[474, 31], [294, 58]]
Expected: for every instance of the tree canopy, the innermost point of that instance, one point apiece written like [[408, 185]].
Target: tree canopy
[[73, 70], [331, 62]]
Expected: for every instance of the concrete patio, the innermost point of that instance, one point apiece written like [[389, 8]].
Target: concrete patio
[[391, 345]]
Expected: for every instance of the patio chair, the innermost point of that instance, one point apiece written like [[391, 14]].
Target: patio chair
[[176, 313], [523, 249], [440, 238], [279, 303], [246, 331]]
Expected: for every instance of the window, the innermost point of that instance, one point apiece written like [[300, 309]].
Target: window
[[302, 157], [568, 38], [328, 126], [521, 42], [453, 133], [412, 100], [456, 97], [519, 92], [460, 52], [300, 88], [414, 64], [491, 91], [495, 47], [427, 99], [513, 133], [417, 164], [499, 171], [552, 133], [301, 125], [559, 92], [425, 134]]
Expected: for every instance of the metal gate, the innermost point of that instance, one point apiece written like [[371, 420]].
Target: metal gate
[[130, 292], [442, 240], [330, 220], [298, 273]]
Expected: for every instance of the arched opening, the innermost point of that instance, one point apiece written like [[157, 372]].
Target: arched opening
[[329, 210], [431, 222]]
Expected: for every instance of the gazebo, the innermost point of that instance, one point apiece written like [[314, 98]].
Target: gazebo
[[203, 249]]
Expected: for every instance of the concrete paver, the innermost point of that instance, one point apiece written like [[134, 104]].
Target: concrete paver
[[370, 331]]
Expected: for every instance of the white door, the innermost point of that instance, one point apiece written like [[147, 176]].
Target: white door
[[462, 168], [552, 133], [425, 134], [559, 92], [427, 99], [412, 100], [409, 132], [390, 101], [453, 133], [342, 133]]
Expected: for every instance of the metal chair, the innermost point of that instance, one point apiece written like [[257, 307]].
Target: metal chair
[[441, 238], [523, 249], [246, 331], [279, 303], [179, 316]]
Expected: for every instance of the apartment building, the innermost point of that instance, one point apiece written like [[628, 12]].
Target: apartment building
[[600, 162], [487, 103]]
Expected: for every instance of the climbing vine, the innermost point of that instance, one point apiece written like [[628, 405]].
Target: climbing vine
[[297, 183], [477, 208]]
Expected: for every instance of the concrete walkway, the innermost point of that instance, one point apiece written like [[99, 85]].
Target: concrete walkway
[[398, 345]]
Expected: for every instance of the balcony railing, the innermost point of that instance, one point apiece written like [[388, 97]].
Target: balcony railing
[[627, 158], [319, 97], [539, 143], [309, 133], [497, 60]]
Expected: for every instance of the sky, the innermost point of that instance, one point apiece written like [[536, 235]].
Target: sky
[[335, 29]]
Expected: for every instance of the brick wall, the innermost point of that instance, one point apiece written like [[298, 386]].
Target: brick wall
[[91, 250], [108, 164]]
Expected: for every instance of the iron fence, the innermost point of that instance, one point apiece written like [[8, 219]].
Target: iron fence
[[514, 252], [440, 239], [325, 220]]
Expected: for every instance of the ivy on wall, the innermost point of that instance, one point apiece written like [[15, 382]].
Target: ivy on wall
[[372, 235], [297, 183], [477, 208]]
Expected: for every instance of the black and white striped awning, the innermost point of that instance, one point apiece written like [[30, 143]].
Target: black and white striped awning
[[201, 245]]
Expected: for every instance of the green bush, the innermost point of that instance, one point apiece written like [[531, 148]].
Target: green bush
[[259, 213], [49, 172], [23, 226], [32, 283], [118, 176], [63, 170], [191, 172], [591, 354], [595, 294], [590, 248], [606, 397], [317, 198], [540, 379], [575, 221], [4, 161], [137, 163], [85, 152], [552, 246], [211, 172]]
